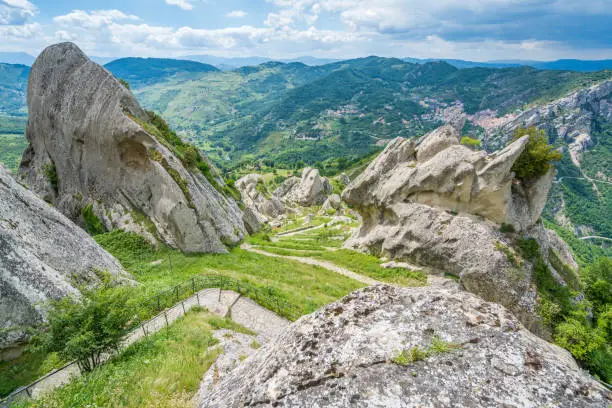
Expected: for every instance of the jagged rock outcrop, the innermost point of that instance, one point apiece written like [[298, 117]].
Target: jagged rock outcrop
[[569, 119], [439, 171], [311, 189], [261, 206], [43, 256], [440, 205], [91, 143], [477, 355]]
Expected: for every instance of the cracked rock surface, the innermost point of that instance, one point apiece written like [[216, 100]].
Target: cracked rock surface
[[91, 130], [43, 256], [341, 356]]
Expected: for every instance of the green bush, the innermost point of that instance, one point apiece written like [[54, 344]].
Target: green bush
[[125, 83], [536, 159], [507, 229], [190, 156], [529, 248], [470, 142], [93, 225], [88, 329]]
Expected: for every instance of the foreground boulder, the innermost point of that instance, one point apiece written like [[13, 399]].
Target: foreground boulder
[[440, 205], [92, 144], [261, 206], [311, 189], [43, 256], [466, 353]]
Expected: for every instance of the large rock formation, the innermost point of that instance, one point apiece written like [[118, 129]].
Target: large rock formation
[[43, 256], [439, 204], [569, 119], [261, 206], [473, 354], [311, 189], [91, 143]]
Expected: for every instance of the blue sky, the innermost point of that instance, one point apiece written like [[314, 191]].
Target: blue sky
[[469, 29]]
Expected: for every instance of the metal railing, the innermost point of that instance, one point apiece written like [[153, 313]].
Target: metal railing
[[160, 311]]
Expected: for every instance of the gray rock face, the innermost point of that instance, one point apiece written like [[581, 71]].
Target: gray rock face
[[87, 126], [570, 118], [341, 356], [261, 206], [311, 189], [441, 172], [42, 255], [444, 214]]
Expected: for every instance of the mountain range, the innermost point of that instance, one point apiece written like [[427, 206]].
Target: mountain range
[[231, 63], [293, 114]]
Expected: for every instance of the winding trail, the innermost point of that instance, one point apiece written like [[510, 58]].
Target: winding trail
[[596, 237], [323, 264]]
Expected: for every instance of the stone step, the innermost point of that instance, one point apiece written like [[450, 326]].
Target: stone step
[[228, 297]]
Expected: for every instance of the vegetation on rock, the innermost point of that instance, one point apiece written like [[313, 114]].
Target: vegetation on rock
[[538, 156]]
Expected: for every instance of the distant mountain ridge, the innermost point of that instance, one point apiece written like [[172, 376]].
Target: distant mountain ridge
[[562, 64], [143, 71]]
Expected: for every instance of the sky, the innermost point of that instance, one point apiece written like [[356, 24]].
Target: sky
[[479, 30]]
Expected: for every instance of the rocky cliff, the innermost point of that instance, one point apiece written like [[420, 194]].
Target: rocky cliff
[[439, 204], [90, 143], [386, 346], [43, 255]]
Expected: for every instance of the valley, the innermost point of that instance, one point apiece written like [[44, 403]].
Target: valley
[[363, 232]]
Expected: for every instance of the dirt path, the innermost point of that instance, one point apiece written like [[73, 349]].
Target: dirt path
[[323, 264]]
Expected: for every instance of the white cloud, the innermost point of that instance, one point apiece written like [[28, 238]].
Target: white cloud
[[92, 20], [184, 4], [16, 12], [236, 14], [21, 32]]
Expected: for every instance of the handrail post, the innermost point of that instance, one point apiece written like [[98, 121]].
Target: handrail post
[[193, 285]]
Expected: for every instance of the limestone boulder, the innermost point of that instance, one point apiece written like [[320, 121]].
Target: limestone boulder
[[309, 190], [333, 203], [260, 204], [43, 256], [90, 143], [472, 354]]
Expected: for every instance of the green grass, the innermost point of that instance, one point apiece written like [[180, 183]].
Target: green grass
[[163, 370], [358, 262], [25, 369], [11, 150], [305, 287]]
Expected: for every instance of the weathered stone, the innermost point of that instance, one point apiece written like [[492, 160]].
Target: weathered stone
[[333, 203], [43, 256], [261, 205], [342, 356], [89, 128], [445, 214], [311, 189]]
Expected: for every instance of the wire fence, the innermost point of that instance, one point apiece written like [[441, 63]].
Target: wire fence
[[160, 311]]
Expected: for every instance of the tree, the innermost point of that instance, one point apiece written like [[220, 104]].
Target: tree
[[537, 158], [190, 156], [86, 330]]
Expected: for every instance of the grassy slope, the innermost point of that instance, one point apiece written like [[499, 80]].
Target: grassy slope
[[163, 370], [303, 286]]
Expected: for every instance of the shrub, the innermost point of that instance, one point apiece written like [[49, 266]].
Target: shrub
[[411, 355], [470, 142], [190, 156], [50, 172], [125, 83], [93, 225], [598, 284], [536, 159], [85, 331], [529, 248], [507, 229]]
